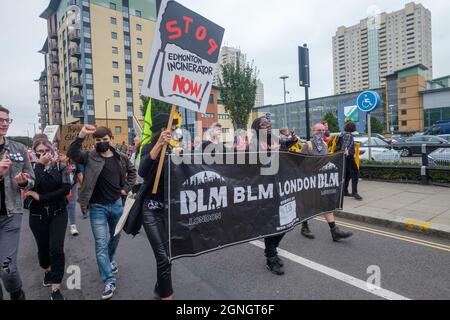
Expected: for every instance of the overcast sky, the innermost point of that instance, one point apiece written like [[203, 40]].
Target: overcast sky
[[269, 32]]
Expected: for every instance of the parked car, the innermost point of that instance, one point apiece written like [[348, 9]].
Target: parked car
[[413, 146], [445, 136], [439, 128], [439, 157], [381, 150]]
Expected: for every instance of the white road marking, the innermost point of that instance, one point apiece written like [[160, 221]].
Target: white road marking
[[363, 285]]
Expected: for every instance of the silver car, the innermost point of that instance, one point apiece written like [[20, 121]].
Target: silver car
[[381, 150], [440, 157]]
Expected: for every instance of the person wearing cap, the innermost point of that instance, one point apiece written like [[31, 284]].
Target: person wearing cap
[[153, 216], [109, 176]]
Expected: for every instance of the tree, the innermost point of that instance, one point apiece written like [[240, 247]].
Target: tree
[[333, 123], [158, 107], [377, 127], [238, 91], [23, 140]]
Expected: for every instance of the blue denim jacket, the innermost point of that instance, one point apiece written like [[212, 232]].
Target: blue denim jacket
[[20, 163]]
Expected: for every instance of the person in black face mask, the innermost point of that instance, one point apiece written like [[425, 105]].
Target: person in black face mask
[[110, 175]]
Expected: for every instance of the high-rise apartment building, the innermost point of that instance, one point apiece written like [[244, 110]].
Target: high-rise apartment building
[[364, 54], [95, 59]]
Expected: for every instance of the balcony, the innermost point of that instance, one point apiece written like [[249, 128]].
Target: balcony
[[56, 97], [75, 36], [55, 71], [57, 109], [56, 84], [76, 83], [75, 67], [75, 52], [78, 113], [54, 59], [53, 35], [77, 98], [44, 94], [53, 46]]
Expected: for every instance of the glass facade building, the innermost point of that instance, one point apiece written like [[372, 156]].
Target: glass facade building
[[319, 107]]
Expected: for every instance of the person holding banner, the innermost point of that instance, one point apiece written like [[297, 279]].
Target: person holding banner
[[109, 176], [153, 214], [318, 147], [263, 140]]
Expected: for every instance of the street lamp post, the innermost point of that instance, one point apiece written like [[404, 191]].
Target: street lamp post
[[106, 110], [391, 125], [284, 93]]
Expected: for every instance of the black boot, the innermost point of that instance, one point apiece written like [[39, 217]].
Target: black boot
[[338, 234], [18, 295], [357, 196], [279, 261], [306, 232], [274, 267]]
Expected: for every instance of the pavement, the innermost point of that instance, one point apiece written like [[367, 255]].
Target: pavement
[[416, 208]]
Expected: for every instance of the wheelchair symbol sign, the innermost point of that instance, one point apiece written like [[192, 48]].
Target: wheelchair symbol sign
[[369, 101]]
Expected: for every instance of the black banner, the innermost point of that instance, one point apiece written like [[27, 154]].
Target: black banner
[[214, 206]]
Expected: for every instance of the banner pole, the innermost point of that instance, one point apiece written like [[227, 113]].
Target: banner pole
[[163, 152]]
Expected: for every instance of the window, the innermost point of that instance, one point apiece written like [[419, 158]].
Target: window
[[139, 41], [404, 123], [404, 112], [118, 130], [116, 94], [138, 27], [402, 80], [211, 99], [116, 108], [138, 13], [114, 35], [140, 69], [140, 55], [113, 20], [402, 90], [226, 130], [115, 65], [403, 101], [115, 79], [141, 82], [115, 50], [112, 5]]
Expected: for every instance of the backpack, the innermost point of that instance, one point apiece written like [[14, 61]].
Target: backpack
[[339, 142]]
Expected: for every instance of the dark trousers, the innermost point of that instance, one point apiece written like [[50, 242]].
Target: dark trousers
[[154, 221], [272, 244], [351, 173], [49, 230]]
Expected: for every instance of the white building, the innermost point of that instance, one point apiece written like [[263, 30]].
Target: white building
[[365, 53]]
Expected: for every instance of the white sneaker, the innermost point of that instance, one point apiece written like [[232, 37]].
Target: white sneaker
[[73, 230]]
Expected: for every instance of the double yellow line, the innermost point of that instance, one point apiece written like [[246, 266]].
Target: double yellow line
[[425, 243]]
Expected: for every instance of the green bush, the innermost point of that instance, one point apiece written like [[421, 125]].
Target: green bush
[[401, 172]]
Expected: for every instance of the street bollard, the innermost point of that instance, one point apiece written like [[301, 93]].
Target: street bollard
[[424, 168]]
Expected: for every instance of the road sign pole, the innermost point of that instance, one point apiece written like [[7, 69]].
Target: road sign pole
[[369, 127]]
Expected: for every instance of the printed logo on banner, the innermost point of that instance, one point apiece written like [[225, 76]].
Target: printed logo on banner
[[288, 213], [184, 55], [329, 167]]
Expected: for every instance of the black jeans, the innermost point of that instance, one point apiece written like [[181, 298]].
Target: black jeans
[[49, 230], [155, 223], [351, 173], [272, 244]]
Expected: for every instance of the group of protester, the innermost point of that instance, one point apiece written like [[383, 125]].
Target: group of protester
[[50, 186]]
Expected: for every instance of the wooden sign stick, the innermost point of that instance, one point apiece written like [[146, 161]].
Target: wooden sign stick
[[163, 152]]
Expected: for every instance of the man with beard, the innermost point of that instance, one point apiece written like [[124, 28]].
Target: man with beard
[[318, 147], [110, 175]]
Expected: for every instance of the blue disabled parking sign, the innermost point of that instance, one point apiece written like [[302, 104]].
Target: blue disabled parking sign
[[369, 101]]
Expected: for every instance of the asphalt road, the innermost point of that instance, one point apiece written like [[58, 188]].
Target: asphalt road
[[410, 266]]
